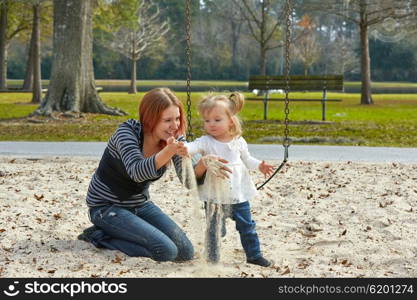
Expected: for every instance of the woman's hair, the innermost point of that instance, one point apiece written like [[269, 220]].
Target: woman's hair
[[233, 104], [154, 103]]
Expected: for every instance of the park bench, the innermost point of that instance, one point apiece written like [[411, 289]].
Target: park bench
[[266, 84]]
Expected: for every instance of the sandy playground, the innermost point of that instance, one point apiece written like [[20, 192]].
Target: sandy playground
[[315, 219]]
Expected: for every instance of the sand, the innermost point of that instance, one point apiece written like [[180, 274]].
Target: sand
[[314, 219]]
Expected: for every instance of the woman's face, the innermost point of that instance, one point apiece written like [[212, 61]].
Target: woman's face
[[168, 124]]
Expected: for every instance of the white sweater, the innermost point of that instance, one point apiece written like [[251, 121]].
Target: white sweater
[[239, 187]]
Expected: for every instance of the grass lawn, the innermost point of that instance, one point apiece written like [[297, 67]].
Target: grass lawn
[[391, 121]]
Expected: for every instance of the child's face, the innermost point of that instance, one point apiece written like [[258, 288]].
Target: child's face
[[217, 123]]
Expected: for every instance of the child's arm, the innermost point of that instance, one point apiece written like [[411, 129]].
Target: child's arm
[[251, 162]]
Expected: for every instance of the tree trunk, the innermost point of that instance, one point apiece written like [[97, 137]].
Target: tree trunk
[[72, 87], [366, 94], [3, 45], [235, 33], [262, 63], [133, 89], [28, 81], [37, 80]]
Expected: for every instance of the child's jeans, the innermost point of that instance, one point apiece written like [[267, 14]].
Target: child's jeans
[[240, 213]]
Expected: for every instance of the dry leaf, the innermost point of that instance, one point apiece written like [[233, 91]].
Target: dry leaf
[[117, 260], [307, 234], [286, 271], [38, 197]]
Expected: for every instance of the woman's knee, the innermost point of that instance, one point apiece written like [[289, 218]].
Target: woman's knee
[[166, 252], [185, 252], [184, 245]]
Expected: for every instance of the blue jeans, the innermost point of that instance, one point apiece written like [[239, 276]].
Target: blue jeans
[[143, 231], [240, 213]]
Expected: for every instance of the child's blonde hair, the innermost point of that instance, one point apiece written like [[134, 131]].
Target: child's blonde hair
[[233, 104]]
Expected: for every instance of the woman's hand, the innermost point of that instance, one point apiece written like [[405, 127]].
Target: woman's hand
[[176, 147], [266, 168]]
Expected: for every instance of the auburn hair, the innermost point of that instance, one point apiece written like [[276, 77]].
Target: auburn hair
[[154, 103]]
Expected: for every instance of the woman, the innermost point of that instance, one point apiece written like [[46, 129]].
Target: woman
[[136, 155]]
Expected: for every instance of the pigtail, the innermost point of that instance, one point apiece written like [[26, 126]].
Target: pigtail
[[237, 100]]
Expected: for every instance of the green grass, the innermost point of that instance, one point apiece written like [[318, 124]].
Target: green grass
[[391, 121]]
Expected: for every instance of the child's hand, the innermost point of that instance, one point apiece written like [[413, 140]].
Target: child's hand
[[216, 165], [266, 168]]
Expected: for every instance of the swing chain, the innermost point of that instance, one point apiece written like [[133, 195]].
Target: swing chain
[[286, 140], [188, 57]]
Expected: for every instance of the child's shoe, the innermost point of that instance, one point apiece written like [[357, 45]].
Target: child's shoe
[[260, 261], [223, 230]]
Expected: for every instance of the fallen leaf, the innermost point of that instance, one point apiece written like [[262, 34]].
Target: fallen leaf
[[307, 234], [117, 260], [286, 271], [38, 197]]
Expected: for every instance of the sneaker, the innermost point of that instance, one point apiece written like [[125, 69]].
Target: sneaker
[[260, 261], [85, 236]]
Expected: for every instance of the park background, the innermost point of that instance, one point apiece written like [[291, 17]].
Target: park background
[[371, 43]]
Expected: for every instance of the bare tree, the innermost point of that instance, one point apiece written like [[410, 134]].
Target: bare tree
[[133, 41], [341, 55], [306, 48], [41, 20], [72, 87], [264, 18], [230, 18], [36, 53], [10, 28], [367, 14]]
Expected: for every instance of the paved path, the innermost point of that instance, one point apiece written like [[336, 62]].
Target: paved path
[[268, 152]]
